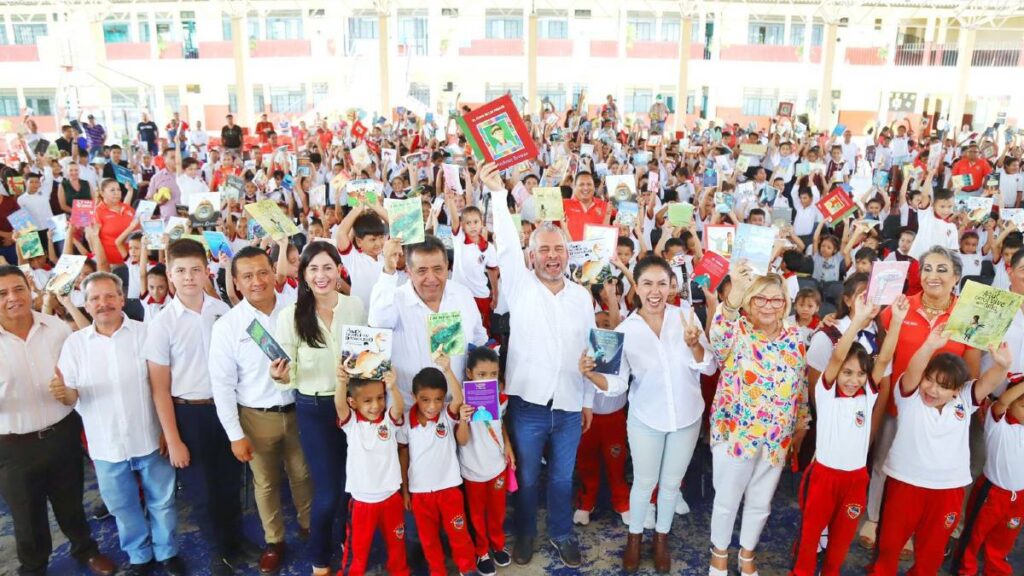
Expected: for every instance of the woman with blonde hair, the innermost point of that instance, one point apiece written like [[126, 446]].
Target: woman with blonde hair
[[760, 404]]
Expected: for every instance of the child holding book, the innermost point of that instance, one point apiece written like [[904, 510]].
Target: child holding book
[[934, 226], [835, 486], [430, 466], [486, 462], [373, 471], [364, 227], [928, 465], [475, 264]]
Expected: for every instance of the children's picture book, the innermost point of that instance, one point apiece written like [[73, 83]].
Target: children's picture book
[[405, 219], [233, 188], [124, 175], [724, 202], [218, 243], [266, 341], [1014, 215], [82, 213], [145, 210], [836, 205], [204, 209], [641, 158], [977, 208], [838, 130], [782, 216], [303, 167], [452, 179], [273, 221], [16, 185], [361, 155], [444, 234], [30, 245], [549, 204], [154, 232], [753, 149], [177, 228], [711, 270], [680, 214], [388, 157], [69, 266], [445, 332], [482, 395], [982, 315], [362, 191], [318, 195], [742, 164], [754, 244], [678, 266], [21, 221], [366, 352], [589, 261], [785, 109], [887, 279], [654, 181], [497, 134], [587, 150], [609, 235], [60, 227], [627, 214], [621, 188], [719, 238], [881, 179], [962, 181], [605, 347]]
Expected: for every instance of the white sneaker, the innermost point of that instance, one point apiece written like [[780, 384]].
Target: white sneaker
[[650, 519], [625, 517], [581, 518], [682, 508]]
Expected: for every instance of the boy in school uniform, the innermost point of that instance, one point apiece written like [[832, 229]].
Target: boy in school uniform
[[360, 241], [373, 472], [430, 467]]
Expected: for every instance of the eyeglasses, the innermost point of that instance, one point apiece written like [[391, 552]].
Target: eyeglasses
[[762, 302]]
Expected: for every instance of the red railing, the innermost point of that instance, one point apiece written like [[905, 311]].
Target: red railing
[[19, 53], [494, 47]]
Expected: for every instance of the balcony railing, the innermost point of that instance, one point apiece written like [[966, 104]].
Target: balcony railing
[[989, 54], [997, 54]]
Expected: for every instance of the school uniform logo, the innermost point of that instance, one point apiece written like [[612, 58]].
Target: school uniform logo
[[1013, 524], [959, 411], [400, 532], [459, 522], [615, 450], [383, 433], [859, 419], [441, 430], [480, 259], [853, 511], [950, 520], [499, 482]]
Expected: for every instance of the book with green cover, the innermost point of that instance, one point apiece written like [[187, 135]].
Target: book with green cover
[[405, 219], [272, 219], [680, 214], [30, 245], [982, 315], [445, 332], [549, 204]]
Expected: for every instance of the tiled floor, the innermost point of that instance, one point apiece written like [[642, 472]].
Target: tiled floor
[[602, 541]]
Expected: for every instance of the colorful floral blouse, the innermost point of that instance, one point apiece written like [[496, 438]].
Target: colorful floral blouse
[[762, 391]]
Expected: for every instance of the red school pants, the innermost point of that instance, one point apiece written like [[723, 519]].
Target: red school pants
[[927, 514], [486, 504], [994, 518], [364, 519], [443, 510], [832, 498], [605, 441]]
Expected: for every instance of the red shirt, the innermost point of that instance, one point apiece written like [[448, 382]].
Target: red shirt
[[112, 222], [979, 171], [262, 128], [578, 217]]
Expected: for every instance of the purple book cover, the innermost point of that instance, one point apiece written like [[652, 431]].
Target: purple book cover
[[482, 395]]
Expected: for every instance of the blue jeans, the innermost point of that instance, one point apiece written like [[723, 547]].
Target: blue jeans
[[659, 459], [325, 447], [533, 427], [142, 540]]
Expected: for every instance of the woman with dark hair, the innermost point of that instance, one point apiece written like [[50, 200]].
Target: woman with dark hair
[[665, 353], [310, 333]]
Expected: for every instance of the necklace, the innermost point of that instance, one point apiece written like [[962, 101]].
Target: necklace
[[933, 309]]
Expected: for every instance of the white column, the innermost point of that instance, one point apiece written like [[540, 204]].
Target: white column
[[243, 90], [533, 103], [382, 66], [683, 82], [828, 57], [965, 52]]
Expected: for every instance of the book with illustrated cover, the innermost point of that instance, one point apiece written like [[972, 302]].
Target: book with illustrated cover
[[30, 245], [497, 133], [621, 188], [218, 243], [836, 205], [177, 228], [1014, 215], [742, 164], [549, 204], [60, 227], [362, 191], [444, 329], [204, 209], [682, 275], [719, 238], [452, 180], [587, 150], [361, 155], [556, 172], [266, 341], [233, 188], [982, 315], [607, 234], [724, 202], [272, 219], [82, 213], [962, 181], [754, 244], [21, 221], [782, 216], [711, 270], [318, 195], [366, 352], [977, 208], [627, 214], [405, 219], [303, 167], [590, 259], [154, 233], [680, 214], [69, 266], [754, 149], [124, 175], [15, 185], [887, 279], [483, 396], [388, 157], [605, 347], [145, 210], [444, 234]]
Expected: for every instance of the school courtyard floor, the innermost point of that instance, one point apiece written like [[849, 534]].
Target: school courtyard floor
[[602, 541]]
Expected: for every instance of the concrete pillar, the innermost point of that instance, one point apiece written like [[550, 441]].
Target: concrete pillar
[[103, 77], [929, 42], [382, 65], [533, 103], [243, 90], [828, 58], [154, 45], [683, 82], [965, 52], [808, 38]]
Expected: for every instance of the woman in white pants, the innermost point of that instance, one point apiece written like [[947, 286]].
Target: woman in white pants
[[760, 403], [664, 351]]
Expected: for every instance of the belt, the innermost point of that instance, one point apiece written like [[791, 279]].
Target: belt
[[204, 401], [37, 435], [280, 409]]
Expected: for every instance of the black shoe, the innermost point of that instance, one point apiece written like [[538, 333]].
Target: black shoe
[[174, 566], [501, 558], [100, 512], [485, 566], [139, 569], [569, 552], [522, 552], [220, 567], [244, 552]]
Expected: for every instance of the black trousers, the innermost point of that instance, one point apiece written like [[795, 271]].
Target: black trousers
[[35, 470], [213, 478]]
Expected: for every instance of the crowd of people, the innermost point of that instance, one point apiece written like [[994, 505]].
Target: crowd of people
[[149, 366]]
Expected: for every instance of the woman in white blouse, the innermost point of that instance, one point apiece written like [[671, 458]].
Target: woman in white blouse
[[665, 350]]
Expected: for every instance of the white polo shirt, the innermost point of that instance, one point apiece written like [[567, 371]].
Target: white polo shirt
[[931, 231], [180, 338], [1004, 452], [483, 457], [26, 404], [372, 469], [433, 464], [363, 271], [843, 425], [472, 261], [931, 448]]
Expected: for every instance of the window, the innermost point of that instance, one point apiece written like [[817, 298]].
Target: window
[[124, 103], [232, 100], [638, 100], [225, 27], [771, 33], [3, 31], [254, 29], [671, 28], [412, 33], [420, 92], [259, 105], [284, 25], [760, 101], [504, 26], [320, 92], [553, 93], [164, 31], [40, 103], [289, 99], [494, 91], [812, 101], [8, 103], [26, 34], [116, 32], [143, 27], [553, 28], [641, 27], [362, 27], [797, 33]]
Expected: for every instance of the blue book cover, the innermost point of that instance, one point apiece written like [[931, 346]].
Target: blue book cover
[[124, 175], [218, 243], [605, 347], [21, 221], [754, 244]]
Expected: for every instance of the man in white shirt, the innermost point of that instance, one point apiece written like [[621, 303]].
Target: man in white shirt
[[40, 438], [200, 140], [850, 150], [101, 372], [549, 400], [259, 418]]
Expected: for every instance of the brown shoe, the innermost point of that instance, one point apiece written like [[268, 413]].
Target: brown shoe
[[662, 556], [631, 557], [100, 565], [270, 562]]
